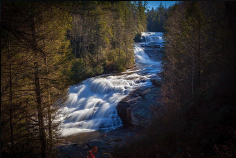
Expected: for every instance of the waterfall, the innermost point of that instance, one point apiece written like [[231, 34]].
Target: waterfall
[[142, 57], [91, 105], [153, 37]]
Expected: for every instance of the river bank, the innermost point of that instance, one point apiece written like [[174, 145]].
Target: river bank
[[78, 145]]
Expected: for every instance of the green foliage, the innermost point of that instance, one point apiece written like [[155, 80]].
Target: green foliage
[[35, 63], [138, 37], [156, 18], [47, 46], [102, 35], [78, 70]]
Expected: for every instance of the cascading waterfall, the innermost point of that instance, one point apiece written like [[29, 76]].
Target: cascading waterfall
[[155, 37], [91, 105]]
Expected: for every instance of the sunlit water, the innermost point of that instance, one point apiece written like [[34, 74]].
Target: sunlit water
[[155, 37], [91, 105]]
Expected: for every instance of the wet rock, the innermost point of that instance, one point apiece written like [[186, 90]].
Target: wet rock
[[156, 81], [154, 54], [135, 109], [123, 113], [106, 141], [98, 143]]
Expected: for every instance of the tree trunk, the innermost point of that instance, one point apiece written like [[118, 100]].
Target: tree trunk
[[42, 135], [50, 143], [11, 106], [126, 53], [193, 64], [50, 129], [199, 50], [75, 40]]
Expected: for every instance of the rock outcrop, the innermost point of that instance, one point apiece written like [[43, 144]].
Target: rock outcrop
[[136, 108]]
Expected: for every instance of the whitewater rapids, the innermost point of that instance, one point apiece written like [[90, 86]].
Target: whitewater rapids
[[91, 105]]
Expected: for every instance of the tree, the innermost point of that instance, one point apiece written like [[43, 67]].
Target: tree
[[156, 18], [102, 34], [38, 55], [195, 118]]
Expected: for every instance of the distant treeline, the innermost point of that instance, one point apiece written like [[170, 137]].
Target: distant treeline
[[48, 46], [156, 18], [196, 117]]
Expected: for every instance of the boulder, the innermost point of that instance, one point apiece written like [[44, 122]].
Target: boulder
[[122, 110], [156, 81], [135, 109]]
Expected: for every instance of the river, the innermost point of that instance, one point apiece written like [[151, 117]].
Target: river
[[91, 105]]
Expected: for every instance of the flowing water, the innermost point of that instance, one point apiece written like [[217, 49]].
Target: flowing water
[[91, 105], [153, 37]]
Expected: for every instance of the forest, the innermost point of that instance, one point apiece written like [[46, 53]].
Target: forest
[[47, 46], [197, 112]]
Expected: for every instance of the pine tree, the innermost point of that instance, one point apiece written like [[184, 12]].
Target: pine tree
[[37, 54]]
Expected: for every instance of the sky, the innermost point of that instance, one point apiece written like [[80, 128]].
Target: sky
[[155, 4]]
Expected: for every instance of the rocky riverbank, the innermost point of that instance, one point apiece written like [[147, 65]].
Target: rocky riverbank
[[136, 113], [139, 104], [137, 107], [77, 145]]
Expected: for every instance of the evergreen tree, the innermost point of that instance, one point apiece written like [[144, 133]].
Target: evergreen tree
[[35, 35], [102, 35], [195, 118], [156, 19]]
